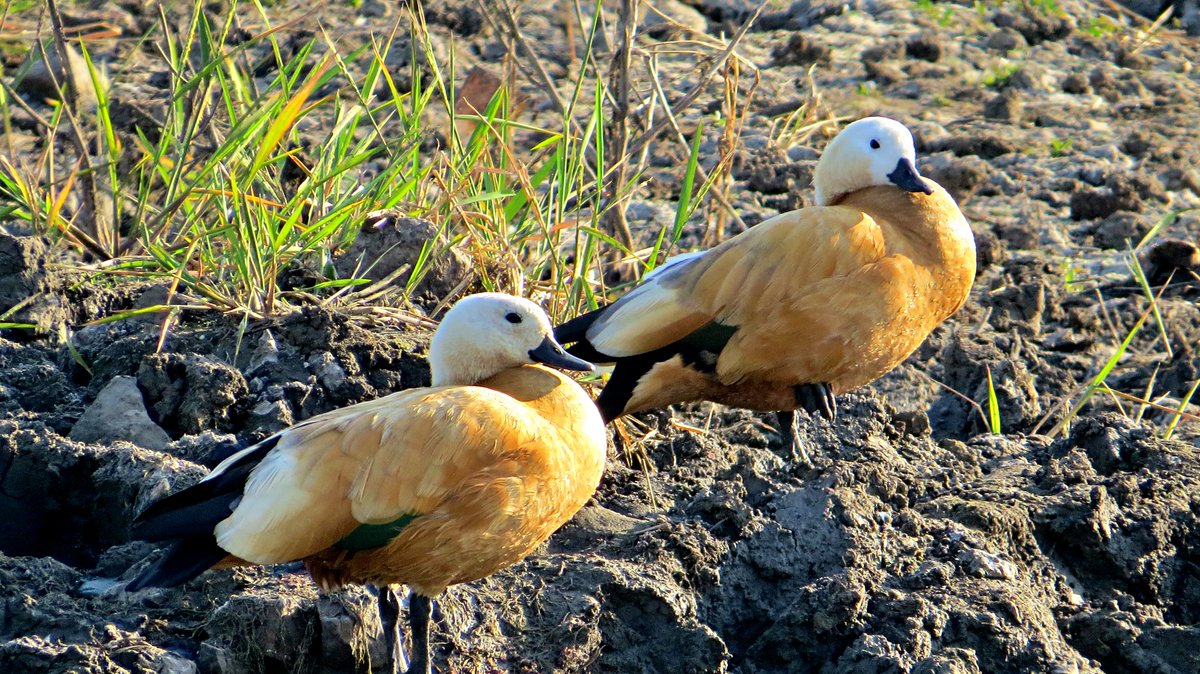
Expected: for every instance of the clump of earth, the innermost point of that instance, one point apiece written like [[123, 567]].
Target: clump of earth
[[919, 541]]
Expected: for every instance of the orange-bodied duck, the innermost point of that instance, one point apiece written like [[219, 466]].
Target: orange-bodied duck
[[802, 307], [427, 487]]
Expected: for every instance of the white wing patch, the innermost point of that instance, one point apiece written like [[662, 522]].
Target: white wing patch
[[272, 496], [673, 261], [622, 331]]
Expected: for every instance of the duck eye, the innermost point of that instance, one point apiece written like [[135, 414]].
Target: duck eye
[[874, 144], [512, 317]]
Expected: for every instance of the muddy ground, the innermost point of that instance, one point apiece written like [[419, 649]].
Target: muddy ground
[[919, 542]]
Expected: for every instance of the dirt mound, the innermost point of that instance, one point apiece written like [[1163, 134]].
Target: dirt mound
[[920, 542]]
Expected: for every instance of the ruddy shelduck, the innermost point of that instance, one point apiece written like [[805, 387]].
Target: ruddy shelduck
[[427, 487], [806, 305]]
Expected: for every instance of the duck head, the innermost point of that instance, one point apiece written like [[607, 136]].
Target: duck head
[[487, 333], [872, 151]]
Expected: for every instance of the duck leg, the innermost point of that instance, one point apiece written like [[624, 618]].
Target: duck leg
[[788, 429], [389, 618], [814, 399], [420, 608]]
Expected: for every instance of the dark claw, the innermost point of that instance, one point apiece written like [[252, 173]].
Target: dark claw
[[816, 399]]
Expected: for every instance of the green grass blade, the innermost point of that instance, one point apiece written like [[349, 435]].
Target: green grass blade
[[1140, 275], [286, 117], [993, 404], [1187, 399]]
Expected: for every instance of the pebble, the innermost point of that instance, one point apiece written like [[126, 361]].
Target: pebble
[[1006, 40], [987, 565], [1076, 83], [38, 81]]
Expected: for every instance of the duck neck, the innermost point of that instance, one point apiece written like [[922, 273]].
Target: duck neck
[[931, 228], [446, 373], [454, 362]]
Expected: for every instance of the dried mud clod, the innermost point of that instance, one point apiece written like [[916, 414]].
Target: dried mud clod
[[192, 393], [390, 245], [27, 286]]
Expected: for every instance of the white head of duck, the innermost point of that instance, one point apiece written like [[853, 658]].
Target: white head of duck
[[487, 333], [872, 151]]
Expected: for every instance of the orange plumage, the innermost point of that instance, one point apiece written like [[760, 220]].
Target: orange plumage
[[832, 296], [427, 487]]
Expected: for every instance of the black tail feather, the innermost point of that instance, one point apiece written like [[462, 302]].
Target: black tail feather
[[622, 382], [576, 329], [698, 350], [574, 332], [184, 561], [197, 509], [189, 518], [186, 520]]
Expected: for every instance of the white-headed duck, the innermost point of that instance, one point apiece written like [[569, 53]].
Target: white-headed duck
[[427, 487], [806, 305]]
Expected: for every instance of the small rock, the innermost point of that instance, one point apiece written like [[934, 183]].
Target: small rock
[[158, 295], [912, 423], [328, 371], [374, 9], [281, 627], [207, 448], [350, 628], [192, 393], [119, 414], [1138, 143], [884, 73], [798, 153], [673, 19], [932, 573], [28, 288], [1089, 203], [980, 143], [960, 176], [987, 565], [883, 52], [39, 82], [1119, 229], [1133, 60], [1006, 40], [798, 16], [949, 660], [265, 355], [1030, 77], [1035, 26], [647, 211], [390, 242], [270, 416], [1076, 83], [132, 110], [989, 249]]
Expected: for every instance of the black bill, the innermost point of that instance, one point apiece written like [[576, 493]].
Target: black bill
[[906, 177], [550, 353]]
